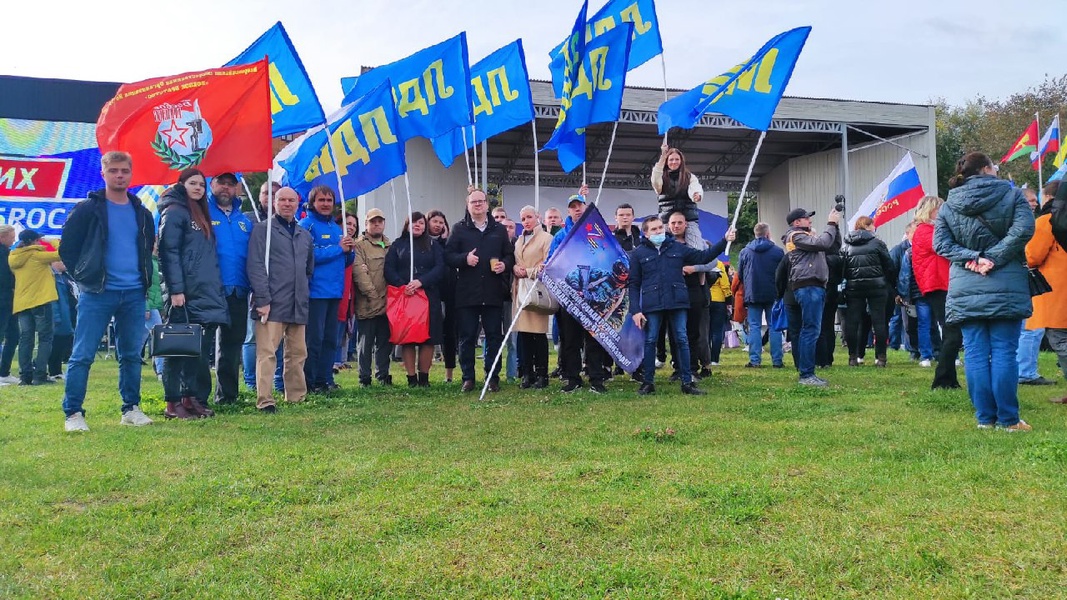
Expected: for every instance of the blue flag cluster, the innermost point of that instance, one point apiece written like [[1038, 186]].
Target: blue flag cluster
[[587, 275], [363, 148], [294, 106], [748, 93], [500, 86], [593, 96], [646, 43], [431, 89]]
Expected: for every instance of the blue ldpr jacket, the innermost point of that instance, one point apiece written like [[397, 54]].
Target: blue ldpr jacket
[[656, 280], [232, 232], [328, 280]]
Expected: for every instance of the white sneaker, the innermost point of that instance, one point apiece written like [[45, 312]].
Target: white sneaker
[[659, 363], [57, 377], [135, 418], [859, 360], [10, 380], [959, 363], [925, 363], [76, 422]]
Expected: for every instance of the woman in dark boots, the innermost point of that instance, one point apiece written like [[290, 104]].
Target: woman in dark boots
[[868, 272], [192, 288], [531, 251], [429, 273]]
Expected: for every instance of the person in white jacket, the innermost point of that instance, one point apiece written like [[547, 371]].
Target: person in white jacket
[[679, 191]]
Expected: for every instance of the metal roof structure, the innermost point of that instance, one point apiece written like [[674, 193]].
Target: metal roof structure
[[718, 150]]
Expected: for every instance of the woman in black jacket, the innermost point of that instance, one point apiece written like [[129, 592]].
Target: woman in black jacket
[[192, 289], [429, 274], [439, 231], [868, 271]]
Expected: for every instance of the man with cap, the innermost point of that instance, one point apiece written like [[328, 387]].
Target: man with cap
[[372, 324], [35, 298], [232, 231], [808, 273]]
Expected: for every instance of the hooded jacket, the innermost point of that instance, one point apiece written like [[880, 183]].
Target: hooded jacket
[[232, 232], [83, 247], [330, 259], [930, 269], [868, 268], [34, 284], [189, 263], [807, 252], [960, 236], [756, 265]]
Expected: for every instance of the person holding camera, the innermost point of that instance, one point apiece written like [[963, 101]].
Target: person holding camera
[[808, 272]]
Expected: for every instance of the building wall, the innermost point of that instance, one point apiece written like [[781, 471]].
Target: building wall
[[773, 199]]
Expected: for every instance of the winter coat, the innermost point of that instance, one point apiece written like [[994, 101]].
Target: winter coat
[[931, 269], [368, 270], [478, 285], [292, 262], [656, 282], [907, 287], [756, 265], [740, 314], [189, 263], [531, 251], [807, 252], [34, 285], [232, 232], [868, 268], [959, 236], [330, 259], [83, 247], [1045, 254], [429, 270]]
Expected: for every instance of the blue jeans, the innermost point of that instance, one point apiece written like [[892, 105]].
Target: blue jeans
[[755, 335], [1029, 349], [248, 360], [154, 318], [923, 318], [94, 313], [897, 337], [990, 347], [322, 340], [676, 321], [810, 299]]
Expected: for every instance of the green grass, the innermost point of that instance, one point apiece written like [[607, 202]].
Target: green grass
[[874, 488]]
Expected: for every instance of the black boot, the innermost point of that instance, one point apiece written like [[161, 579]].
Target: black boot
[[424, 379], [413, 381]]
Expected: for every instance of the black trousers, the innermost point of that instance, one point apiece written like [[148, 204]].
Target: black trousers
[[449, 337], [716, 329], [490, 318], [190, 376], [866, 304], [231, 338], [533, 354], [827, 342], [796, 319], [573, 338], [696, 328], [62, 346], [11, 344], [951, 342], [36, 321]]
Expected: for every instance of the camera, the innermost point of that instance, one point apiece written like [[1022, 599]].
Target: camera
[[840, 200]]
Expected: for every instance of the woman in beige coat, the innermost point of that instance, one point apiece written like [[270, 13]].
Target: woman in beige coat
[[531, 251]]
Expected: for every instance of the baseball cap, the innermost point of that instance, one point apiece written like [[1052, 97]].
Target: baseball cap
[[576, 198], [230, 177], [375, 213], [798, 213]]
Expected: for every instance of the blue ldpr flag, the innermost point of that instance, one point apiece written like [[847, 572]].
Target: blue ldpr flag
[[748, 93], [596, 96], [588, 274], [367, 150], [431, 88], [500, 87], [646, 44], [294, 106]]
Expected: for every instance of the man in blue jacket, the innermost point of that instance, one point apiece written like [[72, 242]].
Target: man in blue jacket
[[756, 268], [658, 293], [232, 231], [333, 252]]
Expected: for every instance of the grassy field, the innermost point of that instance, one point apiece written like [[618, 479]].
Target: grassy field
[[873, 488]]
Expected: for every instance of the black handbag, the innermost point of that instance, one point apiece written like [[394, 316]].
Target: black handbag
[[1038, 284], [177, 339]]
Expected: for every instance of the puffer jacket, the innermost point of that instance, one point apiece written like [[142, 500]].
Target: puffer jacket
[[756, 265], [807, 252], [931, 270], [960, 236], [868, 268], [189, 263]]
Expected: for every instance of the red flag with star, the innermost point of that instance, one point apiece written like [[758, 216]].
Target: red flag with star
[[216, 120], [1026, 144]]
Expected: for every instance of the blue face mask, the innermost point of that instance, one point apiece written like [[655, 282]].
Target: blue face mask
[[658, 238]]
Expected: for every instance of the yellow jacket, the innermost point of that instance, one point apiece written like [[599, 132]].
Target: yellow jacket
[[720, 290], [34, 284]]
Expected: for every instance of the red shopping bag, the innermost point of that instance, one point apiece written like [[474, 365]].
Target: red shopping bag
[[409, 316]]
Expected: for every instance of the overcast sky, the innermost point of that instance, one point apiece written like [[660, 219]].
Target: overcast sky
[[902, 51]]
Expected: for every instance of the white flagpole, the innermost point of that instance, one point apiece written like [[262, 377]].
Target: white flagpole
[[607, 159], [1037, 119], [251, 198], [411, 230], [466, 155], [663, 64], [270, 225], [500, 351], [744, 187], [583, 172], [474, 147], [537, 171]]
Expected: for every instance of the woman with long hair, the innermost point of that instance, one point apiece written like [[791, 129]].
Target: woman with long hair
[[868, 273], [932, 276], [679, 191], [531, 251], [982, 230], [439, 229], [192, 288], [429, 272]]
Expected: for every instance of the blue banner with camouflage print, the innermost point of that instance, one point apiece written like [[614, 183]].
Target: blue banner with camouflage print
[[587, 275]]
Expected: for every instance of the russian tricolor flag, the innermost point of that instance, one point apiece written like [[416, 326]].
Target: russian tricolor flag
[[896, 195], [1050, 142]]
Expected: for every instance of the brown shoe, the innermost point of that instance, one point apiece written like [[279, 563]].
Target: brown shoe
[[1062, 400], [468, 386], [175, 410], [193, 406]]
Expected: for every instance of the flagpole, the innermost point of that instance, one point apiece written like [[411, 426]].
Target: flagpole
[[474, 147], [1037, 119], [744, 187], [583, 172], [270, 225], [466, 157], [663, 64], [537, 171], [500, 351], [607, 159], [411, 230]]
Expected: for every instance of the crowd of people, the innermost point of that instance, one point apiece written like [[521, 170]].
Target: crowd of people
[[292, 300]]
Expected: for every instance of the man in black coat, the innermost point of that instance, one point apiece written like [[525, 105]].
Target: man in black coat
[[480, 250], [7, 299]]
